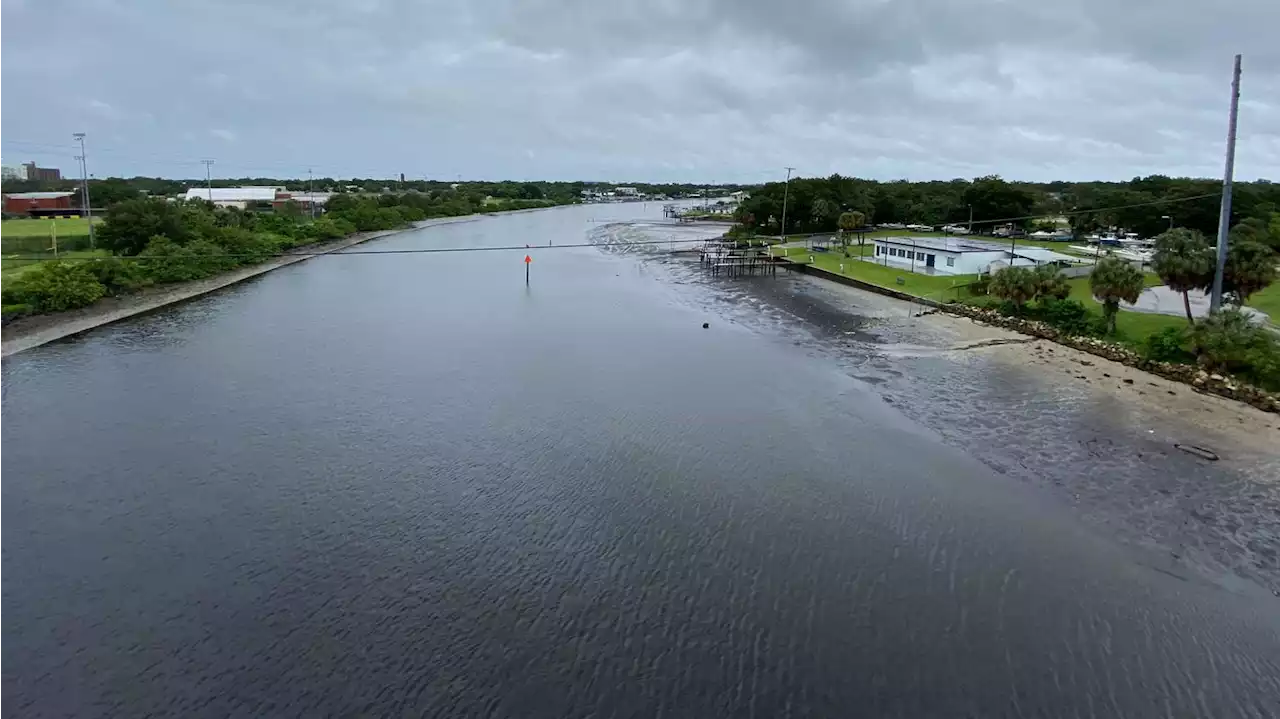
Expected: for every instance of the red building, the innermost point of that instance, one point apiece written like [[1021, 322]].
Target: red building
[[39, 203]]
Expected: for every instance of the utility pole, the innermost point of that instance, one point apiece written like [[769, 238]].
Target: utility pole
[[208, 177], [311, 195], [782, 229], [84, 186], [1224, 217], [971, 219]]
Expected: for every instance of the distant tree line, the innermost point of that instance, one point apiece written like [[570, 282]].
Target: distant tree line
[[815, 204], [106, 192], [153, 240]]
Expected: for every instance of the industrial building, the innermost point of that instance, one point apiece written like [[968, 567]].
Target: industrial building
[[38, 204], [258, 197], [42, 174]]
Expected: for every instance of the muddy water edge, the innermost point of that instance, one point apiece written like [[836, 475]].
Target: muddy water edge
[[1117, 444]]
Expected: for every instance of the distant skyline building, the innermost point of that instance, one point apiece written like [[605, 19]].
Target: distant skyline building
[[42, 174]]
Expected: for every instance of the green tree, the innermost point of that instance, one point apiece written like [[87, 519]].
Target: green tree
[[992, 198], [131, 224], [851, 221], [1251, 266], [820, 213], [1184, 261], [1014, 284], [1111, 281], [1264, 231]]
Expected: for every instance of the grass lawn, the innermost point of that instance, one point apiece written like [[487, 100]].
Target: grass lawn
[[935, 287], [1268, 301], [39, 227]]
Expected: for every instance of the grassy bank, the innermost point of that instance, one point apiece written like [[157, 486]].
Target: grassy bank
[[1268, 301], [1132, 328], [934, 287]]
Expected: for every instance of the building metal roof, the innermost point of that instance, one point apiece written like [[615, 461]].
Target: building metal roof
[[37, 195], [1040, 254], [234, 194], [944, 244], [961, 245]]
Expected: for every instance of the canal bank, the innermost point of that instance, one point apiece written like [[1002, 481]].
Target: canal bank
[[28, 332], [1106, 439], [1193, 377]]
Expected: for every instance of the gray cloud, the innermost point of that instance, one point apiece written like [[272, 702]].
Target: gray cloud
[[708, 90]]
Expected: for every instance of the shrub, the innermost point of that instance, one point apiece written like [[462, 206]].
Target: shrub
[[14, 311], [119, 276], [1228, 341], [244, 247], [980, 286], [170, 262], [326, 228], [1167, 345], [1070, 316], [54, 286]]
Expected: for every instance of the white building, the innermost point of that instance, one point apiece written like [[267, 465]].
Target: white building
[[626, 191], [8, 172], [239, 197], [954, 256]]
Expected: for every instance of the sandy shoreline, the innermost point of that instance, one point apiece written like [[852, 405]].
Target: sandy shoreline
[[29, 332]]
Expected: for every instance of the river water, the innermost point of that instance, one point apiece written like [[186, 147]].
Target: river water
[[411, 485]]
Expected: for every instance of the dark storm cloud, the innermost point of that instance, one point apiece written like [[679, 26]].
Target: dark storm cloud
[[714, 90]]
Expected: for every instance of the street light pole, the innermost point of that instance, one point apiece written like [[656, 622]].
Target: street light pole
[[1169, 218], [1224, 217], [84, 186], [311, 195], [971, 219], [786, 188], [208, 177]]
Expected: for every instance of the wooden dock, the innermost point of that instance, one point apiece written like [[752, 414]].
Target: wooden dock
[[725, 257]]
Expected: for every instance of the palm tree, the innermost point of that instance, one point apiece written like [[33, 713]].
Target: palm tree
[[1184, 261], [1111, 281], [1014, 284], [1050, 282], [849, 222]]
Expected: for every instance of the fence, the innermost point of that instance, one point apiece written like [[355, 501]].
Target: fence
[[42, 245]]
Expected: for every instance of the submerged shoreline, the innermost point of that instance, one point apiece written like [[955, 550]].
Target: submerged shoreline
[[1104, 438]]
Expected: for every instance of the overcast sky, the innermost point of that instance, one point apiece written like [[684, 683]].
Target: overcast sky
[[679, 90]]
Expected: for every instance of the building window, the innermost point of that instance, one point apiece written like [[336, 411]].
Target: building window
[[951, 262]]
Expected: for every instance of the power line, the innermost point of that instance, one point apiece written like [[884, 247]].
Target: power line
[[407, 251], [512, 248]]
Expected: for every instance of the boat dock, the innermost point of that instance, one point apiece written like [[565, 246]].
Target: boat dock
[[726, 257]]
